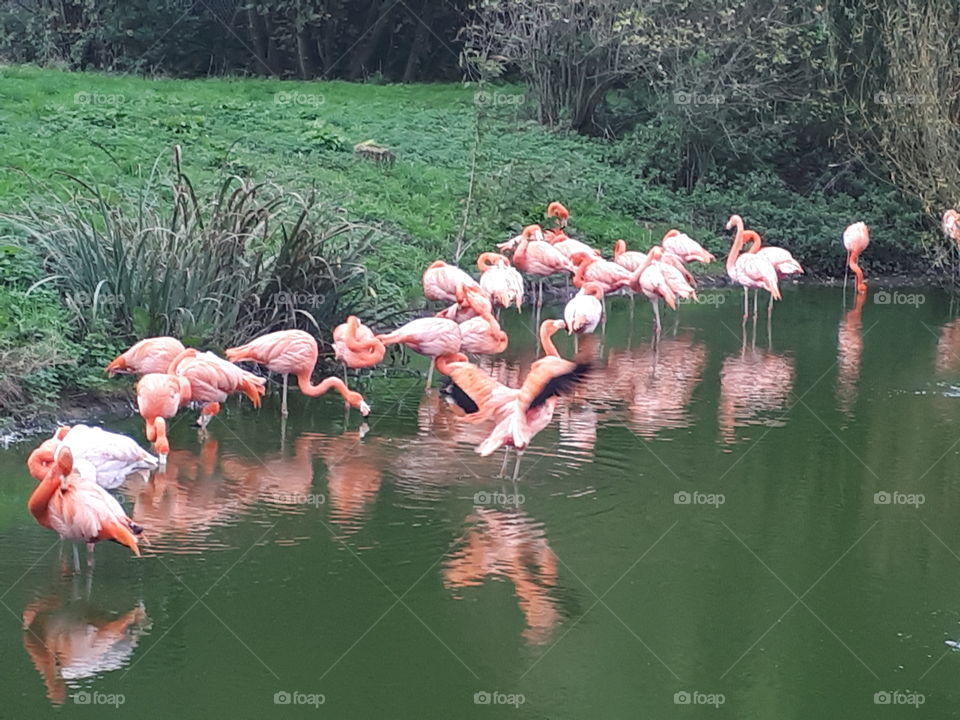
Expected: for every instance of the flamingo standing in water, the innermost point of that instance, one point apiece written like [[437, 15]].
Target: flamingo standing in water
[[212, 379], [445, 282], [535, 256], [68, 501], [585, 309], [608, 275], [471, 302], [500, 280], [159, 397], [783, 262], [749, 271], [855, 239], [113, 456], [293, 352], [152, 355], [650, 280], [482, 335], [430, 336]]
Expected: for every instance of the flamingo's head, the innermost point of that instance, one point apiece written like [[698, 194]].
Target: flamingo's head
[[41, 460], [656, 253], [558, 211], [734, 223], [532, 232], [355, 400], [61, 432], [592, 288], [619, 248], [581, 258]]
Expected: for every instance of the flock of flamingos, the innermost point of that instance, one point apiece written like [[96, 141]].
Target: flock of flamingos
[[78, 465]]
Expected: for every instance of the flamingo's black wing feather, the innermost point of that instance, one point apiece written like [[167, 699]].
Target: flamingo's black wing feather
[[561, 384]]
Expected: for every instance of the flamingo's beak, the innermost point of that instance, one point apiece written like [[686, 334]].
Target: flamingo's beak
[[364, 408]]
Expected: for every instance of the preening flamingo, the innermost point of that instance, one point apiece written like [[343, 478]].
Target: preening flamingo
[[629, 259], [685, 248], [650, 280], [750, 271], [584, 311], [113, 456], [442, 282], [471, 302], [355, 346], [152, 355], [291, 352], [482, 335], [535, 256], [558, 211], [568, 245], [608, 275], [159, 397], [212, 379], [69, 501], [500, 280], [855, 239], [430, 336]]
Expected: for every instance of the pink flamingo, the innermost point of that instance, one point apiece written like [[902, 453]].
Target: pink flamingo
[[68, 501], [783, 262], [568, 245], [748, 270], [430, 336], [471, 302], [152, 355], [535, 256], [855, 239], [212, 379], [159, 397], [558, 211], [114, 456], [291, 352], [685, 248], [629, 259], [585, 309], [609, 275], [355, 346], [500, 280], [443, 282], [650, 280], [951, 225]]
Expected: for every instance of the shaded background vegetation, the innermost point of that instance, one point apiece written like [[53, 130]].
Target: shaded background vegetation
[[640, 115]]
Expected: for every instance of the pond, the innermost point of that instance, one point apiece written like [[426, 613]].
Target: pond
[[760, 523]]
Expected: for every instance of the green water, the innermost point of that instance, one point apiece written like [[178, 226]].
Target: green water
[[396, 574]]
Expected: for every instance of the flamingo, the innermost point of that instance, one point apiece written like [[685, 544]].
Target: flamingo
[[355, 346], [608, 275], [750, 271], [152, 355], [482, 335], [849, 350], [212, 379], [160, 396], [568, 245], [951, 225], [291, 352], [443, 282], [558, 211], [783, 262], [685, 248], [855, 239], [430, 336], [69, 502], [535, 256], [585, 309], [114, 456], [629, 259], [500, 280], [471, 302], [650, 280]]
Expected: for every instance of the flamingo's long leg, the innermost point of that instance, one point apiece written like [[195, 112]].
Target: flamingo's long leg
[[283, 403]]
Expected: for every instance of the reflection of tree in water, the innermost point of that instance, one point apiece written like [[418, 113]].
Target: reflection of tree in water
[[508, 544]]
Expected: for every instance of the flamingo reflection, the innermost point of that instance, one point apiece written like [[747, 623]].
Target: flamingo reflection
[[754, 388], [509, 544], [948, 348], [849, 350], [70, 640]]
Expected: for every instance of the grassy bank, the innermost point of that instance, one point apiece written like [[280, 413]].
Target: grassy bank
[[469, 170]]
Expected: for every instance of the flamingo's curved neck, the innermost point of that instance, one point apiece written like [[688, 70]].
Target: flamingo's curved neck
[[737, 244], [619, 248], [330, 383], [754, 237], [547, 329], [354, 343]]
